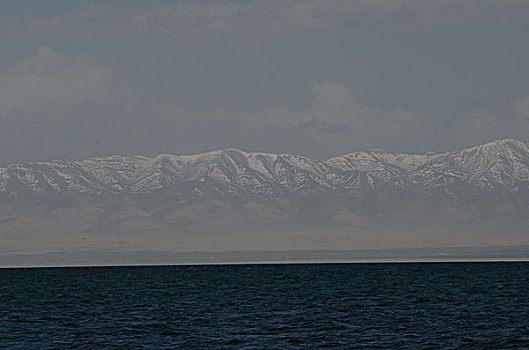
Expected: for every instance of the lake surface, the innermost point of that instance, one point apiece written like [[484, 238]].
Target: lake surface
[[341, 306]]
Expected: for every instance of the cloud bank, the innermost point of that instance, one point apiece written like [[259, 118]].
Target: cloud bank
[[54, 105], [256, 16], [49, 85]]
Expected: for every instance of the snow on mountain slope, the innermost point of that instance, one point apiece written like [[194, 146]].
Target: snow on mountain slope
[[500, 163], [113, 171], [367, 168], [240, 171], [231, 172], [503, 163], [370, 160], [91, 176]]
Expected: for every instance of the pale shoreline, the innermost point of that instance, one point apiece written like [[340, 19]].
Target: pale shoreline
[[97, 258], [276, 262]]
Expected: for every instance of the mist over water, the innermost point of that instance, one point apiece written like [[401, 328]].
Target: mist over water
[[407, 306]]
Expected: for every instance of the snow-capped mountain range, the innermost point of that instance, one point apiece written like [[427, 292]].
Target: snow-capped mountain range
[[230, 200], [500, 166]]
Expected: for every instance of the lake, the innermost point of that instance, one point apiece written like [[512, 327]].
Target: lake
[[277, 306]]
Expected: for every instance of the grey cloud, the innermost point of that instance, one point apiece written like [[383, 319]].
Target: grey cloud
[[255, 16], [480, 126], [336, 105], [47, 85], [335, 122], [57, 105], [520, 126], [404, 15], [521, 109]]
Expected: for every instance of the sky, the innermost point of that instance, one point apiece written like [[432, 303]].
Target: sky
[[318, 78]]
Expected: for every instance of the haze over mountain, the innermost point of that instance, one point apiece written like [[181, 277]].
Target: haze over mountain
[[231, 199]]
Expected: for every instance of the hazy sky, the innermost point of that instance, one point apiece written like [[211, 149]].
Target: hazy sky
[[319, 78]]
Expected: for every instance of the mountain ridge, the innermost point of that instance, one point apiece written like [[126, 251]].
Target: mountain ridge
[[500, 163], [231, 199]]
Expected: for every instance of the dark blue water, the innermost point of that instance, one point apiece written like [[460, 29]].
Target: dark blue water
[[342, 306]]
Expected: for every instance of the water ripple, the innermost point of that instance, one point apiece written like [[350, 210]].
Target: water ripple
[[340, 306]]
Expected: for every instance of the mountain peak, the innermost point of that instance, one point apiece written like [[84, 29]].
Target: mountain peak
[[501, 144]]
